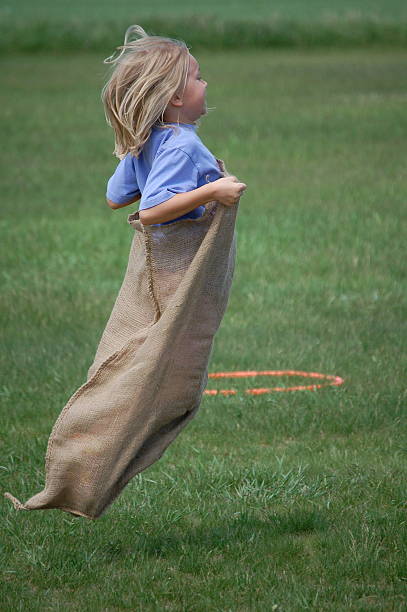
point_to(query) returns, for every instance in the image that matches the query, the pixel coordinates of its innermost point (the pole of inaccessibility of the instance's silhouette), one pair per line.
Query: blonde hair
(147, 72)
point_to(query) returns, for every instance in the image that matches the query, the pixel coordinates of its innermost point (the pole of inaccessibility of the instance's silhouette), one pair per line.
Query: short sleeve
(173, 172)
(122, 186)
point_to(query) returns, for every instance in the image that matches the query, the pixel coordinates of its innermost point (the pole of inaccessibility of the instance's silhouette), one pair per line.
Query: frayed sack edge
(19, 506)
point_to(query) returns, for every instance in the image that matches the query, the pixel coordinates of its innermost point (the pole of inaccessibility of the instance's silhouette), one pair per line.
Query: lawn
(287, 501)
(79, 26)
(103, 10)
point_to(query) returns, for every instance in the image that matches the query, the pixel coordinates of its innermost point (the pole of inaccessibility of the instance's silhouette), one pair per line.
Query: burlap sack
(150, 369)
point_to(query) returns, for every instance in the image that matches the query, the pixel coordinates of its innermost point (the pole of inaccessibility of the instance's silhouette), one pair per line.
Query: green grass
(73, 26)
(102, 10)
(293, 500)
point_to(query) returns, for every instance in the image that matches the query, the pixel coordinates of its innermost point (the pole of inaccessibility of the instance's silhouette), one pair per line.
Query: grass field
(286, 502)
(49, 25)
(103, 10)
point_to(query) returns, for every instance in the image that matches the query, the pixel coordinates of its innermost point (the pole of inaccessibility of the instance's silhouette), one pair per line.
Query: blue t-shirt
(171, 162)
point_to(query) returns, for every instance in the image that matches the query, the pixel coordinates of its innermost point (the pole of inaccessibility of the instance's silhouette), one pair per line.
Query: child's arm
(115, 206)
(226, 190)
(122, 187)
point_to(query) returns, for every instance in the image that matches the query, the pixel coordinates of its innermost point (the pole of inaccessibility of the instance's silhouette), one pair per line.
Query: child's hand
(228, 190)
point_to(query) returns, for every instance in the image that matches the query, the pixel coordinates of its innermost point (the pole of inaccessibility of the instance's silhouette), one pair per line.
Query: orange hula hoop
(332, 381)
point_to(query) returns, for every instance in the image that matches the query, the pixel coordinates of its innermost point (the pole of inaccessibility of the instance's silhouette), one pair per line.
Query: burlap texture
(150, 368)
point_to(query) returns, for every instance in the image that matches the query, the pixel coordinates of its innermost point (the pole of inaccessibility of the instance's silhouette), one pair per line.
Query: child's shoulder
(184, 138)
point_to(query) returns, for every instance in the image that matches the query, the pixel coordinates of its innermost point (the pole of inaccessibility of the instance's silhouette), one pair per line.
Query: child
(156, 86)
(150, 369)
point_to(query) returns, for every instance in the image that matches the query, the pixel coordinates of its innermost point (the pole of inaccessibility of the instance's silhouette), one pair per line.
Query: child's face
(194, 103)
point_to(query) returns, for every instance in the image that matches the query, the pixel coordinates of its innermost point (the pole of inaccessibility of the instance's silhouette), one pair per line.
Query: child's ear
(176, 100)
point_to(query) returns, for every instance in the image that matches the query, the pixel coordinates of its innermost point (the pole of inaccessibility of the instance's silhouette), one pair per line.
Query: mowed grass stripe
(230, 25)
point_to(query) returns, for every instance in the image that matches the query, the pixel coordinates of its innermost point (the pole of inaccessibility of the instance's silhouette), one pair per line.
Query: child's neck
(178, 117)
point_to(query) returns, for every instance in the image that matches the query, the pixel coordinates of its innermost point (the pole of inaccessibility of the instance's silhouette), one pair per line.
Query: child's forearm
(178, 205)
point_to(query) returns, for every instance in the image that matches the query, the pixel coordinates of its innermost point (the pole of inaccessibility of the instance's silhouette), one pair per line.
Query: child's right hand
(228, 190)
